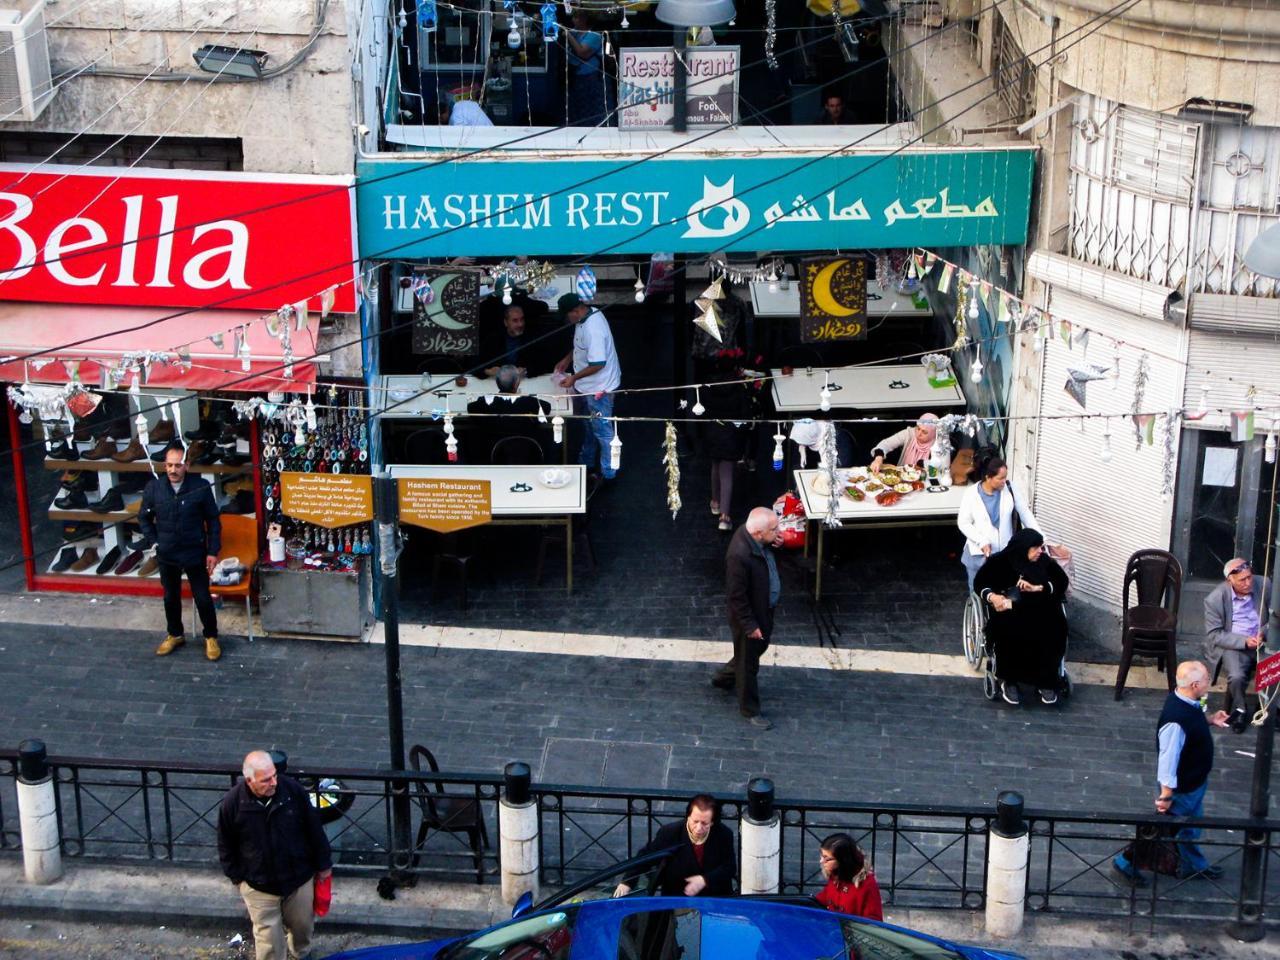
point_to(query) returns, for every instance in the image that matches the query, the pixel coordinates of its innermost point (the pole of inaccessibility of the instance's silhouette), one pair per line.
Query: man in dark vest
(1186, 757)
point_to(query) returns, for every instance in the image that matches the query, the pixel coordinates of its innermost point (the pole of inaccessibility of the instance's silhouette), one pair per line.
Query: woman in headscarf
(914, 442)
(1024, 588)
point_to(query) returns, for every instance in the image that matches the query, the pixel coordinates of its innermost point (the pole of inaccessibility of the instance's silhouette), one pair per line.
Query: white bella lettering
(57, 245)
(236, 251)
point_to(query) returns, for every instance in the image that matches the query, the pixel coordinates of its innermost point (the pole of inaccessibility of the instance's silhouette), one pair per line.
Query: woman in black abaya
(1024, 589)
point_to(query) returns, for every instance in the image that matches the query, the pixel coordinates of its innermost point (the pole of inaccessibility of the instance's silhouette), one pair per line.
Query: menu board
(327, 499)
(444, 504)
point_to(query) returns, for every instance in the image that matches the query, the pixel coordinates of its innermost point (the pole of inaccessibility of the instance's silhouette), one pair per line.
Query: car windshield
(546, 936)
(866, 941)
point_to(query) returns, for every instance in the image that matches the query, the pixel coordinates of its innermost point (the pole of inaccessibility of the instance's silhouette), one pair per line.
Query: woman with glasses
(1023, 588)
(851, 886)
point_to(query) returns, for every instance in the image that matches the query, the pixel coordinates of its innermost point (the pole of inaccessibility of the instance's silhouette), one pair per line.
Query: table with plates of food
(896, 497)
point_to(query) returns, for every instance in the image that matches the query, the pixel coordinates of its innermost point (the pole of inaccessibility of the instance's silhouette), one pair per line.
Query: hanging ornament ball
(513, 38)
(586, 284)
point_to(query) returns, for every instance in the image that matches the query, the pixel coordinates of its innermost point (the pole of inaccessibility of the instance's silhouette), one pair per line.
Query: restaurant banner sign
(931, 197)
(175, 238)
(646, 87)
(444, 504)
(329, 500)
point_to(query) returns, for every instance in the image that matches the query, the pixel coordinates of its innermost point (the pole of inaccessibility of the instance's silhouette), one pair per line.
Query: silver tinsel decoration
(771, 32)
(1166, 462)
(830, 461)
(1139, 394)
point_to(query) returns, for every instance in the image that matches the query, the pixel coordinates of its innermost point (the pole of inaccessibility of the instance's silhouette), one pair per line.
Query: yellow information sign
(327, 499)
(444, 504)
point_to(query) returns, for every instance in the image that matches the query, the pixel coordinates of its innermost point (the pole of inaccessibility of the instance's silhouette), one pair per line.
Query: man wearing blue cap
(596, 374)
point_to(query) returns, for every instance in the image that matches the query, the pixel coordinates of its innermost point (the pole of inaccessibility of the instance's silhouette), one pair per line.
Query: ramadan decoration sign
(446, 313)
(833, 300)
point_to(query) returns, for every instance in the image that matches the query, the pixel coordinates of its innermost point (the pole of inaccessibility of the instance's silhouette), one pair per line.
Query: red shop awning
(27, 328)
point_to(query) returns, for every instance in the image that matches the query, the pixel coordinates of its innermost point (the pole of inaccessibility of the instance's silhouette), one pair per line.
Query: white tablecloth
(865, 388)
(393, 388)
(786, 302)
(918, 505)
(540, 501)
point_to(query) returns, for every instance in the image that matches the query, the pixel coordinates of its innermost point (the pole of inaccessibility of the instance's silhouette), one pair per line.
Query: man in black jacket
(701, 863)
(273, 848)
(180, 516)
(752, 588)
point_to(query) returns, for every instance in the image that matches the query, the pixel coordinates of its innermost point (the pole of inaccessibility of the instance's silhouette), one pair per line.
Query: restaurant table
(403, 396)
(918, 509)
(867, 388)
(540, 506)
(785, 301)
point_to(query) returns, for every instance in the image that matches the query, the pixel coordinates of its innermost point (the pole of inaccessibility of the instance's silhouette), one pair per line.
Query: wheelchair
(980, 652)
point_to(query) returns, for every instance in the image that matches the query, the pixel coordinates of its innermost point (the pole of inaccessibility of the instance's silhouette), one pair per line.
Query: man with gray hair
(1182, 771)
(752, 589)
(1235, 620)
(273, 848)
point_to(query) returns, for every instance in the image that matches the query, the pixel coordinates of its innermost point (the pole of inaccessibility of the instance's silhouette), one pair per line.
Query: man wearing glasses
(1235, 626)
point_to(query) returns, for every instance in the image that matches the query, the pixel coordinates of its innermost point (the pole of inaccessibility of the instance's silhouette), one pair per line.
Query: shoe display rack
(104, 462)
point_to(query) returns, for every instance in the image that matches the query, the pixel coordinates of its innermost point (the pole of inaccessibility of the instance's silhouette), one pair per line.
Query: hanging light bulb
(542, 413)
(639, 288)
(773, 280)
(777, 449)
(448, 424)
(698, 408)
(625, 22)
(1105, 455)
(824, 395)
(451, 449)
(975, 370)
(403, 19)
(973, 304)
(1269, 448)
(311, 414)
(1037, 341)
(513, 38)
(144, 436)
(1202, 410)
(242, 351)
(557, 428)
(299, 436)
(615, 449)
(135, 391)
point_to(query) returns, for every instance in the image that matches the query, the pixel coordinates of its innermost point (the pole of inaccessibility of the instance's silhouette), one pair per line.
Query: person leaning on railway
(702, 862)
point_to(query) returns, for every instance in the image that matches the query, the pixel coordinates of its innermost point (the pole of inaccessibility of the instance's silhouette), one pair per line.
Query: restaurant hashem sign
(936, 197)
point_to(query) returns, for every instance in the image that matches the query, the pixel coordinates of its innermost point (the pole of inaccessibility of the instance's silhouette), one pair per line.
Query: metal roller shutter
(1104, 511)
(1238, 338)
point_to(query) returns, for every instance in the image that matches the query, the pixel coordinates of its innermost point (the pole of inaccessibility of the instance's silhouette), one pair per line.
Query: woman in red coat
(851, 886)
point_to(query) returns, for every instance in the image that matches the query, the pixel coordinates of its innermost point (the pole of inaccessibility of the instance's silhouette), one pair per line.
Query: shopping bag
(1154, 850)
(322, 896)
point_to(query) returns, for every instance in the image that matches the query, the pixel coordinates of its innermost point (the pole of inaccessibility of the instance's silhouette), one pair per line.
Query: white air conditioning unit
(26, 80)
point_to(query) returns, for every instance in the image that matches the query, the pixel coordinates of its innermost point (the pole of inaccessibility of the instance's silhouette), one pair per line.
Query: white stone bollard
(518, 827)
(761, 860)
(761, 833)
(38, 815)
(1008, 848)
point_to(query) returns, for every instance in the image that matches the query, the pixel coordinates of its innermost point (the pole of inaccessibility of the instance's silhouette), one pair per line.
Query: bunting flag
(327, 297)
(944, 279)
(1144, 425)
(1241, 425)
(1002, 308)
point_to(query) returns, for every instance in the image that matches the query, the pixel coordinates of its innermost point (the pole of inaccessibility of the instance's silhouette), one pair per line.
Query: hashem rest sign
(444, 505)
(327, 499)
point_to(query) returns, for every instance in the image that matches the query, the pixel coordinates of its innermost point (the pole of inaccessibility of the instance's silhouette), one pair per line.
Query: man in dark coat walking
(180, 516)
(752, 588)
(274, 849)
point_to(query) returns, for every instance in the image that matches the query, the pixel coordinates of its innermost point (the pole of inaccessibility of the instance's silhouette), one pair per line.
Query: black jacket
(276, 848)
(184, 526)
(747, 586)
(718, 863)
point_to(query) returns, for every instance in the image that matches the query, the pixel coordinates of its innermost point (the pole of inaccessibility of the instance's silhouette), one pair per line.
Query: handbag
(322, 896)
(1154, 850)
(791, 521)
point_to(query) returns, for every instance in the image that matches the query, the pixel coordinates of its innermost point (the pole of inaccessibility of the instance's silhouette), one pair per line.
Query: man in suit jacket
(752, 590)
(180, 516)
(1235, 623)
(702, 862)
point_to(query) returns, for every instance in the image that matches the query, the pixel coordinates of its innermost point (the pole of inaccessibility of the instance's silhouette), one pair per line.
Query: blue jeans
(598, 433)
(971, 563)
(1190, 858)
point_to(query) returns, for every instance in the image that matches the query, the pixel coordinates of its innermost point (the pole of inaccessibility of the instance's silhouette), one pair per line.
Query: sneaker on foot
(1009, 691)
(169, 644)
(211, 648)
(715, 507)
(1126, 878)
(760, 721)
(725, 524)
(1048, 697)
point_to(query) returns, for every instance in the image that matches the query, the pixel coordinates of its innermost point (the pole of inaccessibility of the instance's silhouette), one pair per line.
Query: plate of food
(871, 486)
(909, 474)
(903, 488)
(555, 478)
(858, 476)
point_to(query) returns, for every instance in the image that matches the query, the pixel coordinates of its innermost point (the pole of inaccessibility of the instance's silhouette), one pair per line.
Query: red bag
(322, 896)
(791, 521)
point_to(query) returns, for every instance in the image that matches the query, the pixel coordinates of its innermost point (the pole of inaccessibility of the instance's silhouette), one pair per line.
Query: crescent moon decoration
(448, 323)
(833, 300)
(437, 311)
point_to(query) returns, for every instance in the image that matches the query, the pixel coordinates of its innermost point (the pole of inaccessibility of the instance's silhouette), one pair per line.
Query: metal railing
(923, 856)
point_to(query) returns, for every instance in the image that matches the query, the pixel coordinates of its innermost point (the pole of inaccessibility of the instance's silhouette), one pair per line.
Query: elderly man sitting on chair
(1234, 630)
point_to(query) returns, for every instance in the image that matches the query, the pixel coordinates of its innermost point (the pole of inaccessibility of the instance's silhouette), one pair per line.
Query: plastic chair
(239, 539)
(1150, 627)
(446, 814)
(517, 451)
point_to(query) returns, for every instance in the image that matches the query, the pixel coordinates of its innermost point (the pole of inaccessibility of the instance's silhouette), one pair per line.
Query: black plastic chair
(579, 529)
(446, 814)
(1150, 627)
(516, 451)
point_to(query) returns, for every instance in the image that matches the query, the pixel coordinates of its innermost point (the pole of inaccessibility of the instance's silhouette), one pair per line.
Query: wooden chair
(446, 814)
(239, 539)
(1150, 627)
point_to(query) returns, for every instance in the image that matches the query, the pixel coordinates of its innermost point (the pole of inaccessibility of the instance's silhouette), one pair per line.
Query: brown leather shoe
(196, 451)
(134, 451)
(87, 559)
(211, 648)
(105, 447)
(169, 644)
(162, 432)
(149, 566)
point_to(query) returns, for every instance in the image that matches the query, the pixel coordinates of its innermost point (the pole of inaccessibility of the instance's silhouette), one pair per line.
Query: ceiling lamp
(695, 13)
(1263, 255)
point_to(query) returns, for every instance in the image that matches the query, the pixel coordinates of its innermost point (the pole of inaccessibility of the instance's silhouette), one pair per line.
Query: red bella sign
(1268, 671)
(175, 238)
